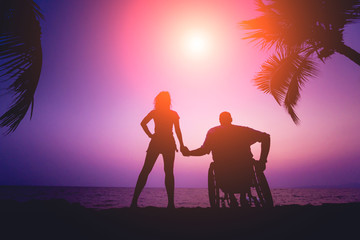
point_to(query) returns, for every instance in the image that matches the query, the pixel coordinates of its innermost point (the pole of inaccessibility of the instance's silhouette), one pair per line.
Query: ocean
(117, 197)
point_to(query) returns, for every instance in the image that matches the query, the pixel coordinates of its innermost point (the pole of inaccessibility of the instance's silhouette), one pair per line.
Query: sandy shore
(58, 219)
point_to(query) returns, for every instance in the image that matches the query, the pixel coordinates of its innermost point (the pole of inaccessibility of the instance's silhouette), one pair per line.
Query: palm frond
(340, 13)
(299, 30)
(279, 25)
(266, 31)
(20, 57)
(275, 74)
(305, 68)
(292, 24)
(284, 74)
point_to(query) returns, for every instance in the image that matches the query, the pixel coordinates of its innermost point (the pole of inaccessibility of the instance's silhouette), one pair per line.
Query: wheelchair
(258, 194)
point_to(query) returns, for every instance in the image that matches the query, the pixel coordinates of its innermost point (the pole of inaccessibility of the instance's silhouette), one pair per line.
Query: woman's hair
(162, 100)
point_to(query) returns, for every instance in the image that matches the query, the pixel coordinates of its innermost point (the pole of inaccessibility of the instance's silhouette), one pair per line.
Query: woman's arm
(178, 133)
(144, 123)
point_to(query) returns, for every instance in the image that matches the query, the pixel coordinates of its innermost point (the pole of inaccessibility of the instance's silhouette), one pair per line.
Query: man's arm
(265, 147)
(264, 139)
(204, 149)
(198, 152)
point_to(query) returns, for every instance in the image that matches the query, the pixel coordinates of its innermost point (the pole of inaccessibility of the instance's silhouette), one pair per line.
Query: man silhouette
(231, 152)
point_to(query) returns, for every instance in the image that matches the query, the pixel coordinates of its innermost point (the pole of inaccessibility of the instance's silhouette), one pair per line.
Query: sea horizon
(119, 197)
(339, 186)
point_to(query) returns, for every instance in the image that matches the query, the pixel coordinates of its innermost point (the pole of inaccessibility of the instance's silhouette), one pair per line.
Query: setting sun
(197, 44)
(103, 63)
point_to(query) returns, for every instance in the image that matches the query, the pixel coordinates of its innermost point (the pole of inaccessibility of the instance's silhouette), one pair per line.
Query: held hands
(185, 151)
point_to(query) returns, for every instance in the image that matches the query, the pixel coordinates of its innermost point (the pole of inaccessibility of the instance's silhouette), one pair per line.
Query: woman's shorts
(162, 145)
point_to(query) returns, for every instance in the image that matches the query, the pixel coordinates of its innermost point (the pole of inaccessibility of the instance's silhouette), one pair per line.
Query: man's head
(225, 118)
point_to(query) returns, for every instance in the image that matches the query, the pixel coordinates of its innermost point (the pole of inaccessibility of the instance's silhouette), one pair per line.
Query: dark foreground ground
(58, 219)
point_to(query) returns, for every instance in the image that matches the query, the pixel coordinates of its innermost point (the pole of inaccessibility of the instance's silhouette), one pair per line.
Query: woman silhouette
(162, 142)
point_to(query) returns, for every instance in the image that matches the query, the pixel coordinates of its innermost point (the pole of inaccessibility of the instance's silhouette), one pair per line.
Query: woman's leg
(150, 160)
(169, 177)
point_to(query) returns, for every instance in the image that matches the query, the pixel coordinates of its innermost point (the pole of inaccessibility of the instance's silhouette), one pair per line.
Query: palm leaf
(305, 68)
(278, 25)
(275, 74)
(266, 31)
(20, 57)
(292, 24)
(284, 74)
(305, 28)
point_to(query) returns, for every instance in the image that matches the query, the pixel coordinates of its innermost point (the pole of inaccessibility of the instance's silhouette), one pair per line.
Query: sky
(106, 60)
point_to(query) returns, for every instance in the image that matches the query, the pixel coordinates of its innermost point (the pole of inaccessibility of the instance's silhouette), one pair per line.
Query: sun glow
(197, 44)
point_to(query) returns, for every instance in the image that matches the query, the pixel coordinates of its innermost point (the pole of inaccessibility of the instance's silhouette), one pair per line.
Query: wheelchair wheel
(263, 189)
(213, 189)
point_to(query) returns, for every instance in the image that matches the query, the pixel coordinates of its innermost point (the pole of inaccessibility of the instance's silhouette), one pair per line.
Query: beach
(59, 219)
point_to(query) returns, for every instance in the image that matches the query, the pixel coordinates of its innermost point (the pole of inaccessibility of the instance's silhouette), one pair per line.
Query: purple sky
(105, 61)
